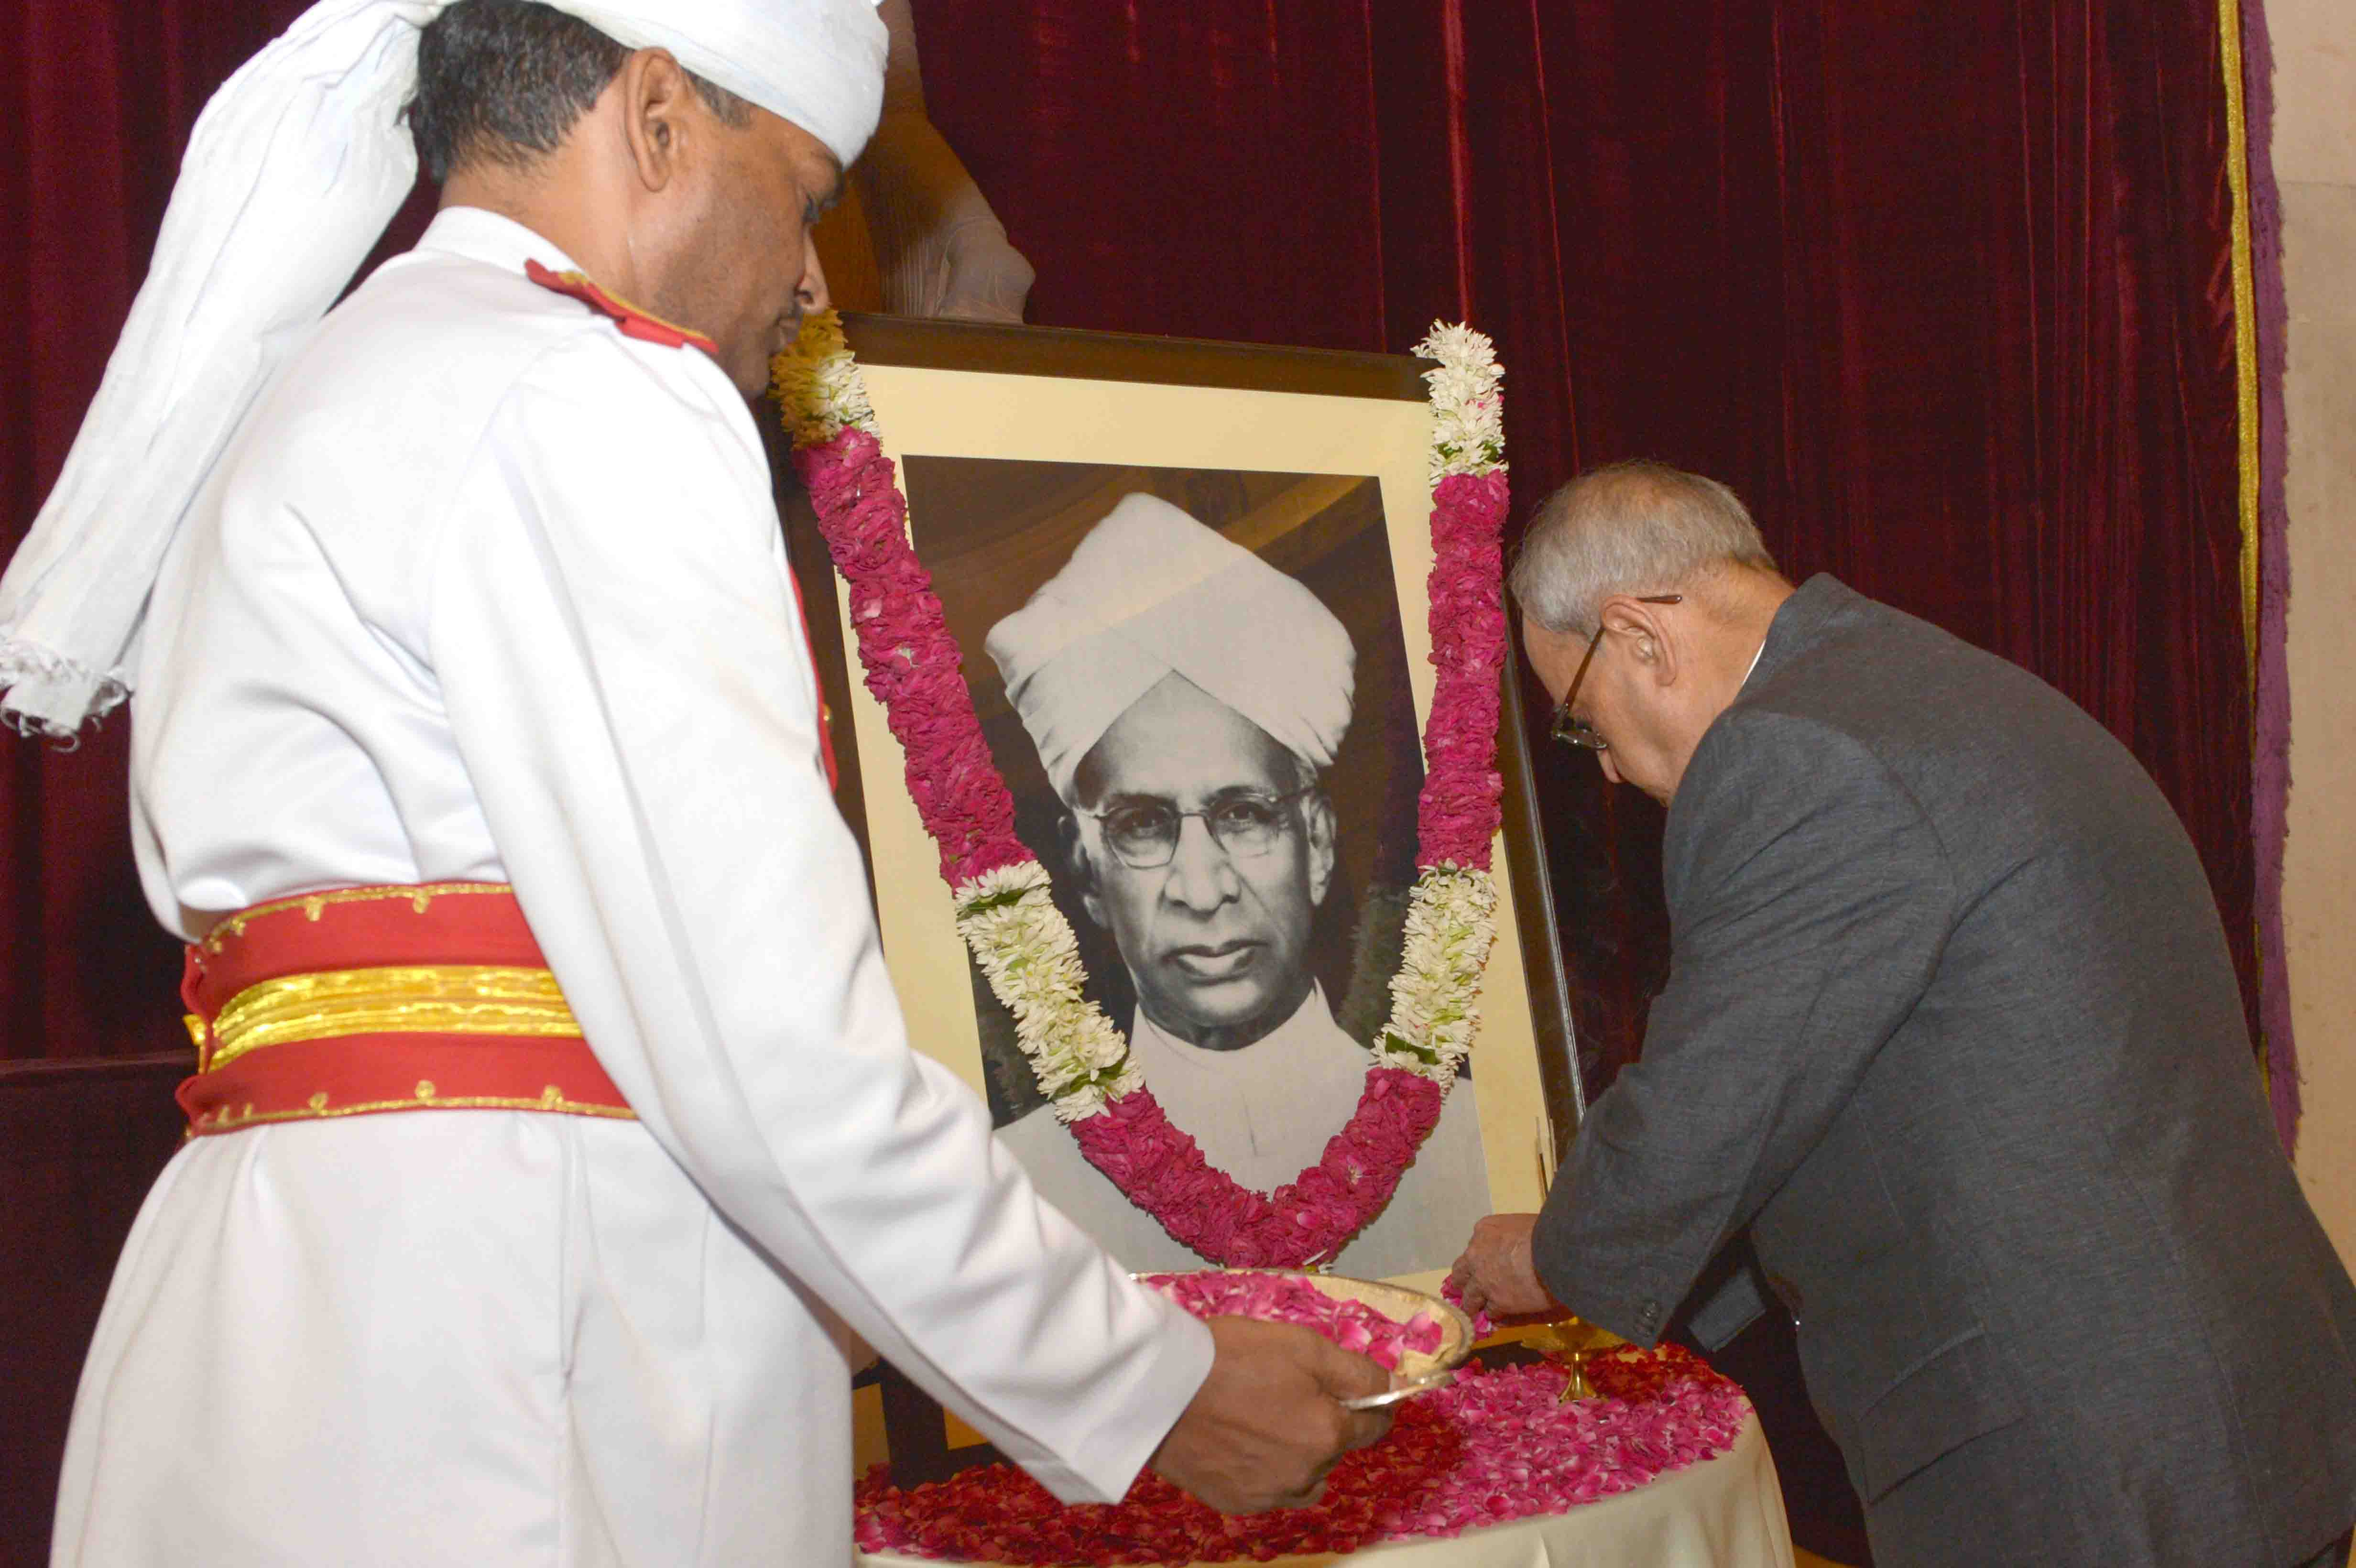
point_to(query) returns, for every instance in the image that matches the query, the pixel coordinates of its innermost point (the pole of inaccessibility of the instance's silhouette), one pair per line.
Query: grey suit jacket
(1951, 1027)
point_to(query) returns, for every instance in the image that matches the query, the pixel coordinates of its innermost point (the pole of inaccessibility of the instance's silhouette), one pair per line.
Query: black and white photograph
(1195, 684)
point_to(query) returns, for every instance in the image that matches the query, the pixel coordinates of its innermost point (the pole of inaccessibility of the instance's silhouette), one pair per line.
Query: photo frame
(1012, 444)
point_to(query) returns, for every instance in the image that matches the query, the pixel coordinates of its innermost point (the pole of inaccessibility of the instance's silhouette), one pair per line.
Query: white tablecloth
(1726, 1513)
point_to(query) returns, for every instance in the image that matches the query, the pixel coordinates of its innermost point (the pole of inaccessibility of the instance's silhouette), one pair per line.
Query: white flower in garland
(818, 383)
(1468, 411)
(1027, 950)
(1435, 996)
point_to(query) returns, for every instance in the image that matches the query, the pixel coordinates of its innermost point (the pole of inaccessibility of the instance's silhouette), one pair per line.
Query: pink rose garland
(914, 668)
(1458, 811)
(1159, 1168)
(913, 665)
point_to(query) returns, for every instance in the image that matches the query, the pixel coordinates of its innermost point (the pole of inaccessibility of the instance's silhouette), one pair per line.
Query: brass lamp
(1573, 1342)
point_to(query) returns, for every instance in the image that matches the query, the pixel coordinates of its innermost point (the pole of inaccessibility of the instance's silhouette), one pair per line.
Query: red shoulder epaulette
(634, 322)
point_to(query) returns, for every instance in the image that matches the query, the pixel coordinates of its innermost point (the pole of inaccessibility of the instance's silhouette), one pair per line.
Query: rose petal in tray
(1406, 1332)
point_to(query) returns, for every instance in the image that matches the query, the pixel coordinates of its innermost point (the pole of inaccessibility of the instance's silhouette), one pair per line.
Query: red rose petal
(1498, 1447)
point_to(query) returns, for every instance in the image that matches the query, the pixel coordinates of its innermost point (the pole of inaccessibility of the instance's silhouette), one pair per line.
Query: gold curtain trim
(2245, 326)
(440, 998)
(2246, 386)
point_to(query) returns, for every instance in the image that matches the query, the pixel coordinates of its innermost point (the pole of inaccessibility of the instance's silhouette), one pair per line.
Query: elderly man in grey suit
(1951, 1031)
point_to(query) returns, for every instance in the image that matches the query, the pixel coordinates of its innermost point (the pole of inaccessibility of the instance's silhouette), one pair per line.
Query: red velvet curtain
(100, 95)
(1942, 290)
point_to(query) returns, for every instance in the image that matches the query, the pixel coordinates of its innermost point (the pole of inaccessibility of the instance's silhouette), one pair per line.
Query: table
(1726, 1513)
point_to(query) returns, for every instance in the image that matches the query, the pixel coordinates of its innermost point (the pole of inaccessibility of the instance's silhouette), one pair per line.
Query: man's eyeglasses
(1569, 731)
(1144, 833)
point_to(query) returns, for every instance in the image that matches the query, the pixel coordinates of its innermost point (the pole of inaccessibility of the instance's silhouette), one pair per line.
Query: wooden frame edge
(1543, 969)
(993, 349)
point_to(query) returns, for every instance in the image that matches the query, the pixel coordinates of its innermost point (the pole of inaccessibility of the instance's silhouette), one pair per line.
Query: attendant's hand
(1497, 1274)
(1265, 1425)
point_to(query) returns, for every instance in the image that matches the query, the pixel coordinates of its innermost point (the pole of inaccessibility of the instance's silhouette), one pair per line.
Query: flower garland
(1498, 1447)
(1022, 941)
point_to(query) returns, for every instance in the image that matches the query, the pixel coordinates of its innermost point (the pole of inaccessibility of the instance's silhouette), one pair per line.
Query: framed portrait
(1188, 584)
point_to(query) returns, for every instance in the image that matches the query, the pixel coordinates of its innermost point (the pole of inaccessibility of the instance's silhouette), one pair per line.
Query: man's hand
(1496, 1272)
(1265, 1426)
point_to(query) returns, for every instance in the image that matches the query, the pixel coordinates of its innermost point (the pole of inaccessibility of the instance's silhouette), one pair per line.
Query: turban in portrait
(293, 170)
(1150, 593)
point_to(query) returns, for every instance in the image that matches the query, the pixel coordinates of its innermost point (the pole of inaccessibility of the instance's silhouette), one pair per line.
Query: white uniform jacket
(484, 590)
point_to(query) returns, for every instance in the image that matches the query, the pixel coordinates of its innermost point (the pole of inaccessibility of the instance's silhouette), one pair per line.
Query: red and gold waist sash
(369, 1001)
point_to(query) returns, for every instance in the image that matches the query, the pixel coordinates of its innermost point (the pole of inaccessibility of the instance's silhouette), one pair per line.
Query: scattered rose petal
(1498, 1447)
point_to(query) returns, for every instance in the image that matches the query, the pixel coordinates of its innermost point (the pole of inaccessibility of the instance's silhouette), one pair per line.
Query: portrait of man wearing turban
(1187, 701)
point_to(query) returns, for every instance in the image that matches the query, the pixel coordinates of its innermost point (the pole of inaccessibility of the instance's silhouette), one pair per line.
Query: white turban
(292, 174)
(1151, 593)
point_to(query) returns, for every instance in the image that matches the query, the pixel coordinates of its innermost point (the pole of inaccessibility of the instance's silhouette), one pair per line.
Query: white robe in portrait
(1263, 1114)
(484, 590)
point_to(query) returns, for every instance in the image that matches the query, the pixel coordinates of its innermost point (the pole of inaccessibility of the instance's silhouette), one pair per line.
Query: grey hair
(1631, 528)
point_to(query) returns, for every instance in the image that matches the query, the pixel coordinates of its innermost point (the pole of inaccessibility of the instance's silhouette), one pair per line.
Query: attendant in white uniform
(535, 1236)
(1186, 697)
